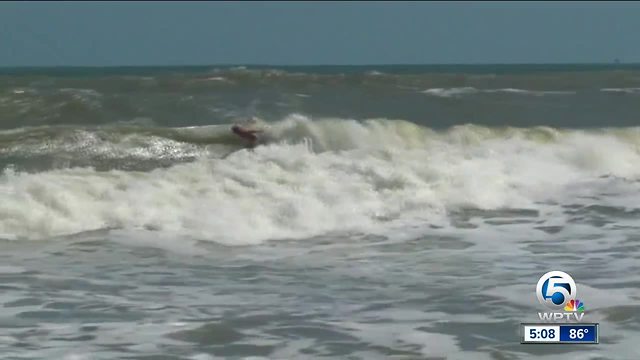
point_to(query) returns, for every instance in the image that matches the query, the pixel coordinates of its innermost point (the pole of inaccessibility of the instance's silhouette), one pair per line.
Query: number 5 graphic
(555, 289)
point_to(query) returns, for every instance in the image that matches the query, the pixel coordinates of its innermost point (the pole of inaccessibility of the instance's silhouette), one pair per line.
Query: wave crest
(346, 176)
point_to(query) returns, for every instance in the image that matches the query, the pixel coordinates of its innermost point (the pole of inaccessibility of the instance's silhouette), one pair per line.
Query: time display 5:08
(540, 333)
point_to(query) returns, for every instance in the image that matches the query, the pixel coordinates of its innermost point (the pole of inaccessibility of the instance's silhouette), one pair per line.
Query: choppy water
(399, 213)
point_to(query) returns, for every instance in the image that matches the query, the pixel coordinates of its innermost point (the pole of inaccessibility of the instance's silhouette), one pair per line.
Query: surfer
(248, 134)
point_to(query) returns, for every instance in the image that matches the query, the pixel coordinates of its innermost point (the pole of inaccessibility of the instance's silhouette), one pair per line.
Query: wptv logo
(556, 290)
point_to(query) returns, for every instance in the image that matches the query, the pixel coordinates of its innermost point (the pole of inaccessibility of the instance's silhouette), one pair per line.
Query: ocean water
(398, 212)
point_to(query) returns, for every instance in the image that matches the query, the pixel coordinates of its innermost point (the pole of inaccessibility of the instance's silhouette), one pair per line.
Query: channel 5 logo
(556, 290)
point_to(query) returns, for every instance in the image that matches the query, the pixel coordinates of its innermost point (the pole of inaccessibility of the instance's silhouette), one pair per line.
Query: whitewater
(316, 177)
(134, 224)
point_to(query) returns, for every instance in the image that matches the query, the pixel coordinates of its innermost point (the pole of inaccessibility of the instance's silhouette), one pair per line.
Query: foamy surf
(462, 91)
(632, 90)
(322, 176)
(134, 224)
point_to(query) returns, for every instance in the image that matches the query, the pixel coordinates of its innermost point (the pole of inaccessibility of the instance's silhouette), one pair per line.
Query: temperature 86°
(578, 333)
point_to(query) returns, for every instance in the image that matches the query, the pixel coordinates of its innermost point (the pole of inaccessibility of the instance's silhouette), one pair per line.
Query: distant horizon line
(317, 65)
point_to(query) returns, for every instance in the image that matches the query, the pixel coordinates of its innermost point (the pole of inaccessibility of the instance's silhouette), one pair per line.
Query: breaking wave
(310, 178)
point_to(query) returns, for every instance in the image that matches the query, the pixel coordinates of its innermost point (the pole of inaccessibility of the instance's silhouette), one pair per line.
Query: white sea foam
(631, 90)
(333, 175)
(462, 91)
(451, 92)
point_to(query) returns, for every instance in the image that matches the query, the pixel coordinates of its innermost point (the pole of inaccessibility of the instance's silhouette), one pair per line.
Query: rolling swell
(129, 147)
(151, 150)
(438, 97)
(111, 147)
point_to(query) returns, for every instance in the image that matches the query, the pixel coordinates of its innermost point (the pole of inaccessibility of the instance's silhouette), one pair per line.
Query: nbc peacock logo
(575, 306)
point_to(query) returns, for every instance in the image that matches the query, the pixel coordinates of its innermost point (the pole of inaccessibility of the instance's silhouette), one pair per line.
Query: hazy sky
(181, 33)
